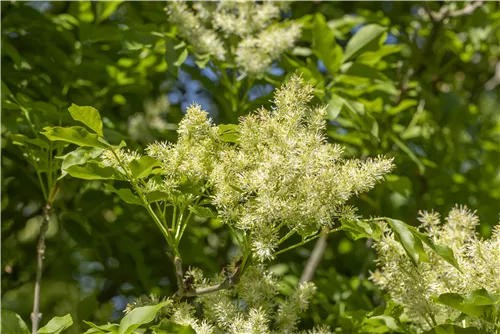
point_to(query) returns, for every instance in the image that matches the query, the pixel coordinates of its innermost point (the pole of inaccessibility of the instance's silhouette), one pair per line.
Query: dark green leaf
(452, 329)
(412, 244)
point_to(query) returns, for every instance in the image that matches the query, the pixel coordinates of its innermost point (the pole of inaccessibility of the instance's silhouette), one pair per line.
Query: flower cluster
(211, 27)
(415, 286)
(283, 174)
(142, 126)
(251, 308)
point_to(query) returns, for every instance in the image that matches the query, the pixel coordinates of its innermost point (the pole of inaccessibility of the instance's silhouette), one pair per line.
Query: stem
(305, 241)
(314, 259)
(47, 211)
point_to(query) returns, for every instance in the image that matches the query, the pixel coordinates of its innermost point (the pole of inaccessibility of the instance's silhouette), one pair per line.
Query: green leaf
(324, 44)
(203, 211)
(168, 327)
(156, 196)
(182, 57)
(106, 8)
(88, 116)
(487, 312)
(11, 323)
(78, 157)
(361, 70)
(125, 194)
(56, 325)
(335, 105)
(452, 329)
(92, 171)
(95, 329)
(228, 133)
(410, 154)
(139, 316)
(74, 135)
(143, 167)
(358, 229)
(412, 244)
(380, 324)
(22, 140)
(366, 39)
(444, 251)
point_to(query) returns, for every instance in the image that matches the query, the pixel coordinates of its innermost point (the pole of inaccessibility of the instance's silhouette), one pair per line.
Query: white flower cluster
(414, 287)
(251, 308)
(141, 126)
(214, 27)
(282, 174)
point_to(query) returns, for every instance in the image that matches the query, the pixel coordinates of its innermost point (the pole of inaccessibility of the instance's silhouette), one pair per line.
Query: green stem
(303, 242)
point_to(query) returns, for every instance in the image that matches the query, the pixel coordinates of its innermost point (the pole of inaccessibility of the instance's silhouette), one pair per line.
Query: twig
(444, 11)
(47, 212)
(36, 315)
(314, 259)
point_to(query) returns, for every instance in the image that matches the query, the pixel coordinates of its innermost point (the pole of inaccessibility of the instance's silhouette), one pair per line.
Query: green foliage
(417, 82)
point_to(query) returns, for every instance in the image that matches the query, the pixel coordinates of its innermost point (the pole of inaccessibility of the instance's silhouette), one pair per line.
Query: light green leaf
(380, 324)
(78, 157)
(88, 116)
(143, 167)
(358, 229)
(486, 312)
(182, 57)
(452, 329)
(139, 316)
(74, 135)
(93, 171)
(335, 105)
(11, 323)
(203, 211)
(228, 133)
(106, 8)
(366, 39)
(125, 194)
(482, 297)
(412, 244)
(22, 140)
(95, 329)
(156, 196)
(56, 325)
(403, 105)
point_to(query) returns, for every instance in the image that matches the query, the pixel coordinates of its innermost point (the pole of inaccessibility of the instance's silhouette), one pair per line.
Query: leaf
(358, 229)
(203, 211)
(442, 250)
(228, 133)
(78, 157)
(95, 329)
(21, 140)
(335, 105)
(482, 297)
(11, 323)
(143, 166)
(88, 116)
(156, 196)
(125, 194)
(74, 135)
(324, 44)
(487, 312)
(168, 327)
(182, 57)
(412, 245)
(106, 8)
(380, 324)
(139, 316)
(410, 154)
(361, 70)
(364, 40)
(56, 325)
(452, 329)
(93, 171)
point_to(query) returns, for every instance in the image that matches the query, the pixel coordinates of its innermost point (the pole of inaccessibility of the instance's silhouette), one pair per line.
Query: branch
(444, 12)
(36, 315)
(314, 259)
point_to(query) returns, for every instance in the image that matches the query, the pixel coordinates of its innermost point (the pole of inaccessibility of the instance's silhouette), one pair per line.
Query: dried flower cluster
(414, 287)
(211, 27)
(282, 174)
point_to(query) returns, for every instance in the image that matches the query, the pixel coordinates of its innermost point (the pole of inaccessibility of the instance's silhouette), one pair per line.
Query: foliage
(416, 82)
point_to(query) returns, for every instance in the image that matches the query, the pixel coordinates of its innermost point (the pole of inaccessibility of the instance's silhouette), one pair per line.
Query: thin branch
(47, 211)
(314, 259)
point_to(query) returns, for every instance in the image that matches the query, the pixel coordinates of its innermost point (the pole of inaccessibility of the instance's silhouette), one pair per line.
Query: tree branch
(314, 259)
(36, 315)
